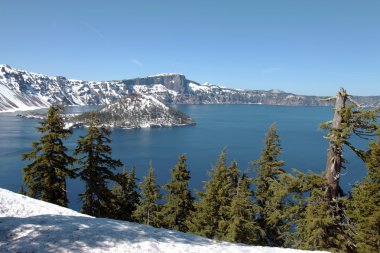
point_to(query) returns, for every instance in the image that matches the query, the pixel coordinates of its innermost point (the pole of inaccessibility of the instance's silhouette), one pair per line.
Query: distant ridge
(276, 91)
(23, 90)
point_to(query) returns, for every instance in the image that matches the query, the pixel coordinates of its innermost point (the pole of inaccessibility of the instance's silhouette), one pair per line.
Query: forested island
(129, 112)
(134, 111)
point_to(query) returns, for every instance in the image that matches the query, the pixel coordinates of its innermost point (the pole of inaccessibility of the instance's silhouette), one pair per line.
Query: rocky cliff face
(175, 82)
(20, 90)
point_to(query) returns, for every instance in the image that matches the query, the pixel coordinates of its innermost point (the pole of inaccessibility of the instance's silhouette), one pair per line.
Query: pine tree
(148, 209)
(323, 224)
(242, 227)
(295, 189)
(179, 201)
(126, 196)
(348, 119)
(96, 169)
(215, 201)
(267, 194)
(364, 206)
(226, 189)
(45, 177)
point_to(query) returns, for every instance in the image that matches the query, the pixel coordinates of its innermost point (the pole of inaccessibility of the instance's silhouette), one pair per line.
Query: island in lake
(128, 112)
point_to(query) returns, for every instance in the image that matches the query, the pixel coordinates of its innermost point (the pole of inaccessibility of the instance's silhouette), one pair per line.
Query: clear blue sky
(305, 47)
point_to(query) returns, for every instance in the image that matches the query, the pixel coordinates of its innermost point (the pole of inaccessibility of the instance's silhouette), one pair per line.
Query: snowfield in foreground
(29, 225)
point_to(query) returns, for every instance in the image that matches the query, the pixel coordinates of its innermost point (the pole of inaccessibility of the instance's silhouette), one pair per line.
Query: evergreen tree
(323, 224)
(364, 206)
(348, 119)
(242, 227)
(45, 177)
(126, 196)
(214, 203)
(269, 197)
(179, 201)
(96, 169)
(226, 191)
(148, 209)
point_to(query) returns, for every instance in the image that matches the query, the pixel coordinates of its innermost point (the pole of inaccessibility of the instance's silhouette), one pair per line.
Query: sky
(304, 47)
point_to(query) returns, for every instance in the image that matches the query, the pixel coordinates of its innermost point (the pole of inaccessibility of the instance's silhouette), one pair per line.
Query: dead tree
(335, 150)
(348, 118)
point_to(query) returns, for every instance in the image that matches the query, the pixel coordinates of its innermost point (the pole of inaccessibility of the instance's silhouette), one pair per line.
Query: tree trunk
(335, 150)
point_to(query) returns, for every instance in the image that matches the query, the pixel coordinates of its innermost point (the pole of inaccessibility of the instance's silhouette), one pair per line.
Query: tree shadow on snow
(56, 233)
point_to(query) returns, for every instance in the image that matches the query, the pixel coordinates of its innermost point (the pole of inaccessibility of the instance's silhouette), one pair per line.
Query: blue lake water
(241, 128)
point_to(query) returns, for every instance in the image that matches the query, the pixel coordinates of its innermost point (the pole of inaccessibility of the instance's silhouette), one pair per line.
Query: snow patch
(197, 87)
(20, 206)
(29, 225)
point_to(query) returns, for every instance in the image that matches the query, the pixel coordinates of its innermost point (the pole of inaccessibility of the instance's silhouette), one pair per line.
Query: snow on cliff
(29, 225)
(20, 90)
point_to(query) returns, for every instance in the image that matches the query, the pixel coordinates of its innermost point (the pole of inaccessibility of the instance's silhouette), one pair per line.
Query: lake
(241, 128)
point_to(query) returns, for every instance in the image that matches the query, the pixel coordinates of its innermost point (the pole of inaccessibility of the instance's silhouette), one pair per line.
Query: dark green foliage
(179, 201)
(226, 190)
(215, 202)
(23, 192)
(354, 121)
(96, 169)
(148, 209)
(241, 227)
(45, 177)
(348, 119)
(364, 206)
(293, 193)
(320, 224)
(268, 191)
(126, 196)
(361, 123)
(323, 225)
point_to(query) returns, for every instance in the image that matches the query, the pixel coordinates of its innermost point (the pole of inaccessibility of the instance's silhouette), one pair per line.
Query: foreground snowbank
(29, 225)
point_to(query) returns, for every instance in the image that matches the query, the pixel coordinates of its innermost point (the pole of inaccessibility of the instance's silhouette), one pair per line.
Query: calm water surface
(239, 127)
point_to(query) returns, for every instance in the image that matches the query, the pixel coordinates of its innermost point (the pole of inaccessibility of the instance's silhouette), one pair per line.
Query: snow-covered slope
(20, 90)
(29, 225)
(11, 99)
(136, 111)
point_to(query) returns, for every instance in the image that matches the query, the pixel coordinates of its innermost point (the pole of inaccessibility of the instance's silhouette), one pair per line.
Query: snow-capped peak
(4, 66)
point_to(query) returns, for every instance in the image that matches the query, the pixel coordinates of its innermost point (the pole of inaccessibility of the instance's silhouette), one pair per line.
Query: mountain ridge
(21, 90)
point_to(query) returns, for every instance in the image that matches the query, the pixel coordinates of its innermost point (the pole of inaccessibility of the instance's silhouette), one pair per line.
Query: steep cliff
(20, 90)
